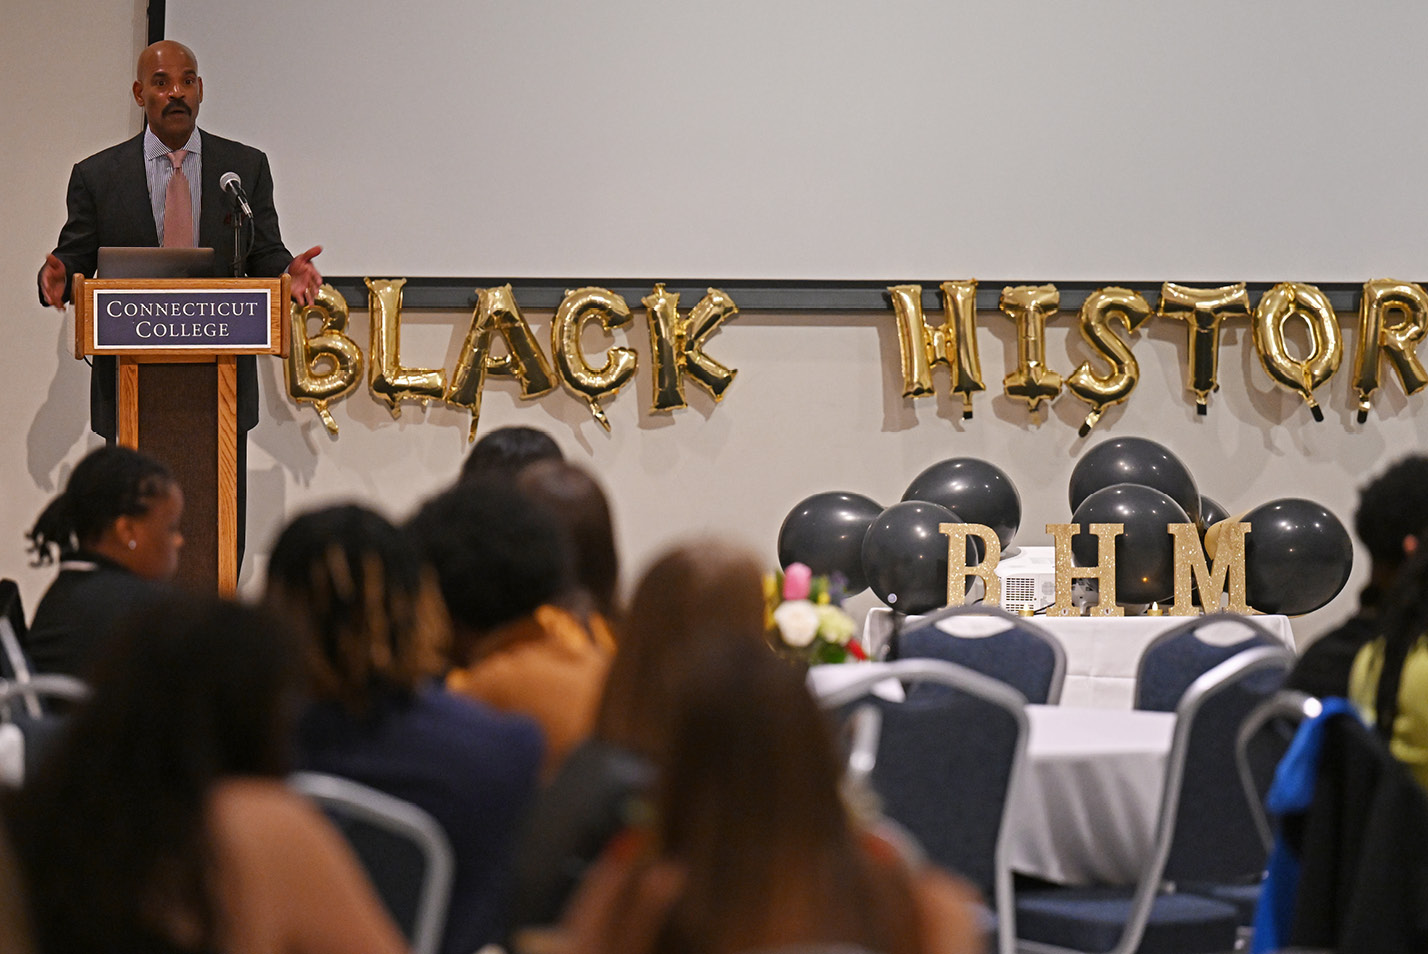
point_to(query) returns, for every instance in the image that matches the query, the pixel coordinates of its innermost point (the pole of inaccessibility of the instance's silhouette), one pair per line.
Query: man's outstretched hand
(306, 279)
(53, 281)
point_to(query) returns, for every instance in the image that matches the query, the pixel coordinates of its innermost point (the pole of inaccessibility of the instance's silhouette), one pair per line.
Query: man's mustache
(177, 108)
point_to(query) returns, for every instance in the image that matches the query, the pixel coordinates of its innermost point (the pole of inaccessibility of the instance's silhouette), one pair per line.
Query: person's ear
(1410, 544)
(138, 92)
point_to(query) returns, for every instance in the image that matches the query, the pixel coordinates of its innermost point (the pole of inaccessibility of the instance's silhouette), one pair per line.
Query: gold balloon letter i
(1030, 306)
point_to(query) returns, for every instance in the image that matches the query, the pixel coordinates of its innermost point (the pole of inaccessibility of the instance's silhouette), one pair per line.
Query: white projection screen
(821, 140)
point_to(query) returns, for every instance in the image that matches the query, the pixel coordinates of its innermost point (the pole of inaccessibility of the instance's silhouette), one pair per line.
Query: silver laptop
(136, 262)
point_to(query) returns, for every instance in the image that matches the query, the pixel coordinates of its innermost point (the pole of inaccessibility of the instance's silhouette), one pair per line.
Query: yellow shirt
(1410, 728)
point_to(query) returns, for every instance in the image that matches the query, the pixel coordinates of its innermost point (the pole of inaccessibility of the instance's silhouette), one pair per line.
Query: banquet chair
(405, 852)
(32, 733)
(1180, 655)
(994, 643)
(946, 755)
(1199, 837)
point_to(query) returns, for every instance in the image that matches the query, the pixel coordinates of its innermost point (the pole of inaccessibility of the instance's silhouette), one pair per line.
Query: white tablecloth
(1084, 809)
(1101, 652)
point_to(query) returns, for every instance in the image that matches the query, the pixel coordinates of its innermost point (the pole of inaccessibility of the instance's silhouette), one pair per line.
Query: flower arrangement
(805, 617)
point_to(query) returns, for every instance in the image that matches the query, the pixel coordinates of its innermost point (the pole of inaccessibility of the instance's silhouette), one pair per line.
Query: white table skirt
(1101, 652)
(1085, 807)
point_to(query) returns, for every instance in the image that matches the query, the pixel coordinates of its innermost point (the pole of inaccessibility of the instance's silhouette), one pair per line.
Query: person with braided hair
(115, 533)
(1389, 680)
(374, 634)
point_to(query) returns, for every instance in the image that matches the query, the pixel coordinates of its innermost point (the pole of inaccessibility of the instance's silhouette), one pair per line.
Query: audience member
(1391, 509)
(505, 451)
(690, 595)
(502, 564)
(369, 616)
(575, 499)
(1389, 681)
(115, 531)
(161, 823)
(750, 847)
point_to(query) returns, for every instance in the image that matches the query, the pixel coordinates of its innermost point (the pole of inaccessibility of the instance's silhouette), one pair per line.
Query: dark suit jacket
(108, 202)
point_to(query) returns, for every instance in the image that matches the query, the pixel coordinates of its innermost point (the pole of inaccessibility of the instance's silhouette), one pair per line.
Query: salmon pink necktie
(178, 206)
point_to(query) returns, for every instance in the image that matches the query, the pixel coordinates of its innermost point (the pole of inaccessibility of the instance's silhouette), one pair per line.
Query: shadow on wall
(62, 420)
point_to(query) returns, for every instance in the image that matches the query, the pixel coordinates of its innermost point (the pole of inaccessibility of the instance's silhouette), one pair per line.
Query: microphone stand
(240, 257)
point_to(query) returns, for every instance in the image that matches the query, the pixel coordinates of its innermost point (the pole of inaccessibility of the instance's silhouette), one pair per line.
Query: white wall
(817, 404)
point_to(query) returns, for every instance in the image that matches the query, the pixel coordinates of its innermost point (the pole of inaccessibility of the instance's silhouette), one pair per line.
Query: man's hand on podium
(306, 278)
(52, 281)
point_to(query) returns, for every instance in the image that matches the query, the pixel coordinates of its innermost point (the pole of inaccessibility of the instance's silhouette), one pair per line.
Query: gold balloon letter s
(330, 346)
(1097, 312)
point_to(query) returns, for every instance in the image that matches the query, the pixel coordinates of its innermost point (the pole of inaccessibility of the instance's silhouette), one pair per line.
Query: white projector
(1028, 579)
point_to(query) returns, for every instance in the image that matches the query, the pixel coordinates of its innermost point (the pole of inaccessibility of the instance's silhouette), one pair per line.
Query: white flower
(797, 622)
(834, 625)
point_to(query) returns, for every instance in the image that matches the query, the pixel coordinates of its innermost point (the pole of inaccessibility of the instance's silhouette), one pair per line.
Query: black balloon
(905, 556)
(1134, 460)
(1211, 513)
(976, 491)
(1298, 556)
(1145, 553)
(825, 532)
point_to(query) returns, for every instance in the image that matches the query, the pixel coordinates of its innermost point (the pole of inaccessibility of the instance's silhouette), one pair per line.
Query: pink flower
(796, 579)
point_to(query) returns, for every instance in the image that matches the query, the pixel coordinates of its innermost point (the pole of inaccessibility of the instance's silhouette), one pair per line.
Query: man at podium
(166, 187)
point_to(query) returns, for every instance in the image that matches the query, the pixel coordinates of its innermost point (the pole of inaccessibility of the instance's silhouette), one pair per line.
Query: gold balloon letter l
(676, 345)
(390, 381)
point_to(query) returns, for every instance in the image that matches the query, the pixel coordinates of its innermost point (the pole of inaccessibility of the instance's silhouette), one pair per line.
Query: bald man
(117, 198)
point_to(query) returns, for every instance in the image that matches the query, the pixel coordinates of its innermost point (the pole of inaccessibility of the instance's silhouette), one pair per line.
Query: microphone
(231, 183)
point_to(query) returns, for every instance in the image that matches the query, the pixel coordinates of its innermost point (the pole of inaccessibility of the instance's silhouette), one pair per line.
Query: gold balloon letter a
(1029, 306)
(389, 381)
(578, 307)
(1203, 309)
(675, 345)
(330, 346)
(953, 343)
(1406, 301)
(497, 313)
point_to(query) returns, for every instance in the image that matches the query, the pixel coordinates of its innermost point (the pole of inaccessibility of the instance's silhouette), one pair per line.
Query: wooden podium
(177, 341)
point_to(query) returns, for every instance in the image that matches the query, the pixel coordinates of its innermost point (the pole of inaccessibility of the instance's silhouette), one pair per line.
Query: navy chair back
(1179, 656)
(403, 848)
(1216, 832)
(946, 756)
(1016, 651)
